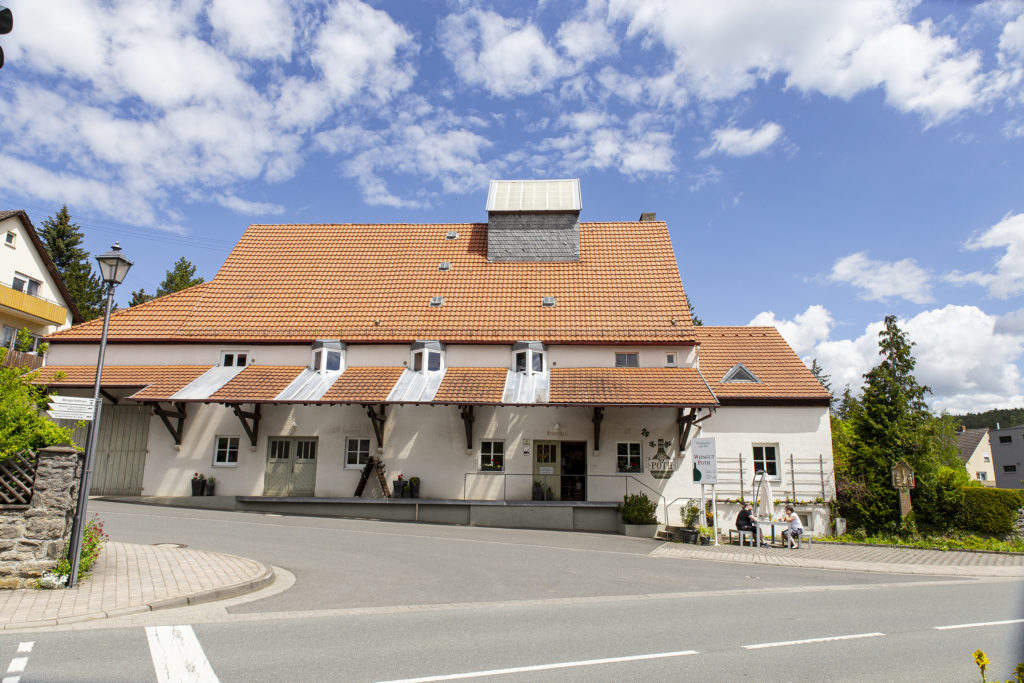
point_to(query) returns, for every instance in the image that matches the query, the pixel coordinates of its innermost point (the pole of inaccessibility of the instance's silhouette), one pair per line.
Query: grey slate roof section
(533, 237)
(967, 441)
(309, 385)
(415, 386)
(523, 388)
(208, 383)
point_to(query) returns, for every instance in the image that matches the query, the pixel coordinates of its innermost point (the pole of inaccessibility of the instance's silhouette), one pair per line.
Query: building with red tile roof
(532, 355)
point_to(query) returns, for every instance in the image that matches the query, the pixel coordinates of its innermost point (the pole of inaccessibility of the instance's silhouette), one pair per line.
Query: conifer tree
(139, 296)
(62, 239)
(181, 276)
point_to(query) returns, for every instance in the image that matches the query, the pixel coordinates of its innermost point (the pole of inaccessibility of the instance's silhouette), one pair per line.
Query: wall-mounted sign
(705, 464)
(547, 470)
(660, 465)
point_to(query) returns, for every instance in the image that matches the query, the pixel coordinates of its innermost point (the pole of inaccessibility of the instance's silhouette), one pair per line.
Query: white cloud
(967, 357)
(742, 142)
(1012, 39)
(880, 280)
(804, 332)
(505, 57)
(586, 40)
(246, 207)
(701, 180)
(596, 140)
(1008, 278)
(259, 29)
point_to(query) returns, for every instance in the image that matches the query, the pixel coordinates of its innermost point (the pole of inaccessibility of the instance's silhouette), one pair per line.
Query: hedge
(990, 510)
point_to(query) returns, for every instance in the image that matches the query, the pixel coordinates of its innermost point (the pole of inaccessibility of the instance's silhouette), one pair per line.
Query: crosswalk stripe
(177, 655)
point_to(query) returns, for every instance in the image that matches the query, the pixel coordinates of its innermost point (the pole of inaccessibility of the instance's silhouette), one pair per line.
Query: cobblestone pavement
(861, 558)
(129, 579)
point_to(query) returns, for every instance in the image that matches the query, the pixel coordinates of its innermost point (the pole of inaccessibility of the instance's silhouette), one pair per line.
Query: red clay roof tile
(472, 385)
(630, 386)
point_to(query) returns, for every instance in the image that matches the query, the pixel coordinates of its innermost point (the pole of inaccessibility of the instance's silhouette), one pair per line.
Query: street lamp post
(113, 268)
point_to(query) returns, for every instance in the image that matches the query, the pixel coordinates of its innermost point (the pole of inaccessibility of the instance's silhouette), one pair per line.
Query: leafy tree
(140, 297)
(181, 276)
(891, 422)
(62, 239)
(21, 425)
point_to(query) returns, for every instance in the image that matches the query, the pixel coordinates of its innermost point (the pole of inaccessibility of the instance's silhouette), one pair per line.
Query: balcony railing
(22, 359)
(35, 306)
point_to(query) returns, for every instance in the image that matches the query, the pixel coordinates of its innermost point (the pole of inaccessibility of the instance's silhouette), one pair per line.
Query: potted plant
(210, 483)
(689, 515)
(414, 487)
(198, 484)
(638, 515)
(538, 490)
(705, 533)
(398, 487)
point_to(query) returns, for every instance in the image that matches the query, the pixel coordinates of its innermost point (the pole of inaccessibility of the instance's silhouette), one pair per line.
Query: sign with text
(72, 402)
(705, 464)
(70, 414)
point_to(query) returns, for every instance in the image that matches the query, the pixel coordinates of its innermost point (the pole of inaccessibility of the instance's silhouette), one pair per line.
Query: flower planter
(414, 490)
(705, 540)
(688, 535)
(209, 488)
(198, 487)
(640, 530)
(398, 488)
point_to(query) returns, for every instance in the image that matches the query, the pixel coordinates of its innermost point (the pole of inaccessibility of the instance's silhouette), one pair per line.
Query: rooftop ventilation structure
(444, 265)
(436, 301)
(548, 301)
(533, 220)
(452, 235)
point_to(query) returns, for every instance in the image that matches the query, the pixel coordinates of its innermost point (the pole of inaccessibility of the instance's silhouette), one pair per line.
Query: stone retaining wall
(32, 537)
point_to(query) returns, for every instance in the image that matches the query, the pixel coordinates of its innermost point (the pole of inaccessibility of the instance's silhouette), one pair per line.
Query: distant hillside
(1005, 417)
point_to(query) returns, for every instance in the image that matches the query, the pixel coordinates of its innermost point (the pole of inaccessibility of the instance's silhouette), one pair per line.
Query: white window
(234, 359)
(23, 283)
(427, 356)
(11, 238)
(982, 476)
(627, 360)
(670, 360)
(766, 459)
(357, 452)
(740, 373)
(492, 456)
(988, 458)
(628, 457)
(226, 454)
(327, 356)
(529, 358)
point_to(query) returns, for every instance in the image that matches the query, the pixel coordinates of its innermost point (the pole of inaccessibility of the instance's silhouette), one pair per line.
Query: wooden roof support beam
(378, 420)
(107, 395)
(598, 417)
(251, 430)
(468, 419)
(685, 422)
(179, 413)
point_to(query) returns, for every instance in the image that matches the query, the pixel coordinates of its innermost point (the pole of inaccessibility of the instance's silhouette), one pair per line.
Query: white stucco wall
(25, 259)
(981, 461)
(583, 356)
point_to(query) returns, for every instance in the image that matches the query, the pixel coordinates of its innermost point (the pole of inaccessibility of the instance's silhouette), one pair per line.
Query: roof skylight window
(436, 301)
(444, 265)
(739, 373)
(548, 301)
(452, 235)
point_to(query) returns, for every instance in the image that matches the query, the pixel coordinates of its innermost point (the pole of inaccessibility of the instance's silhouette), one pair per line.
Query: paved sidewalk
(858, 558)
(130, 579)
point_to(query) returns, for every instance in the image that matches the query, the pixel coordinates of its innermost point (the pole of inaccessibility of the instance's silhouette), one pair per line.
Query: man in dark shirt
(745, 522)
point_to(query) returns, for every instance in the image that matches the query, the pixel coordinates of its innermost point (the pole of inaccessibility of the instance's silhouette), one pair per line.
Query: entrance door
(291, 467)
(547, 472)
(120, 453)
(574, 470)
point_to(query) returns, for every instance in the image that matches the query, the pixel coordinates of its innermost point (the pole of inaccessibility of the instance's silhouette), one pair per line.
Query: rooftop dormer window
(234, 359)
(328, 356)
(427, 356)
(529, 358)
(739, 373)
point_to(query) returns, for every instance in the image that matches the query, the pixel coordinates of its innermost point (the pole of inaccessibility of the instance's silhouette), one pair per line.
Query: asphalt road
(377, 601)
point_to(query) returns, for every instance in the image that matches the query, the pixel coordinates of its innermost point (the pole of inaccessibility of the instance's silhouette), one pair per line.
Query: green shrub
(93, 538)
(989, 510)
(689, 514)
(637, 508)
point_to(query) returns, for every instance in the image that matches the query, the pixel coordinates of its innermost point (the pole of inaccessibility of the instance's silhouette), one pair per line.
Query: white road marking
(980, 623)
(828, 639)
(544, 667)
(17, 665)
(25, 647)
(177, 655)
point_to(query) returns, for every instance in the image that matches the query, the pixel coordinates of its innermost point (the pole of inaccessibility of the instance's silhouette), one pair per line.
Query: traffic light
(6, 24)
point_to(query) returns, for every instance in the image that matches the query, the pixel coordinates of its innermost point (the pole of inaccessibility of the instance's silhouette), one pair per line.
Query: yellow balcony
(33, 305)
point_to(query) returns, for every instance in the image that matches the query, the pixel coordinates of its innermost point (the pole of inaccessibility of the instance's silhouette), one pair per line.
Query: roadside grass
(951, 541)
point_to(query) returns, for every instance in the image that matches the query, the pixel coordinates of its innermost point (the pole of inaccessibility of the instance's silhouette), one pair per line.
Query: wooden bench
(743, 534)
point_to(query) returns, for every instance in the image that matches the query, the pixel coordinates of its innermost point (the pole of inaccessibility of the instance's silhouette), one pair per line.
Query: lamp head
(113, 266)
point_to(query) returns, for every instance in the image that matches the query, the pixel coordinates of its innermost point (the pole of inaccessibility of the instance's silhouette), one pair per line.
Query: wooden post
(792, 476)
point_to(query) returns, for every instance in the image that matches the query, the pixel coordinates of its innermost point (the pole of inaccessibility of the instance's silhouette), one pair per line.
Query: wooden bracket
(179, 413)
(686, 421)
(598, 417)
(251, 430)
(378, 420)
(467, 420)
(110, 397)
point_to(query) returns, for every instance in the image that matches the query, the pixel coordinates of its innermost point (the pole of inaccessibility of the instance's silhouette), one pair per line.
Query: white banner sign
(72, 403)
(705, 465)
(70, 414)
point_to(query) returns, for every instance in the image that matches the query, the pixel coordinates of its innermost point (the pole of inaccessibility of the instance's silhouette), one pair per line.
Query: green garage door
(120, 456)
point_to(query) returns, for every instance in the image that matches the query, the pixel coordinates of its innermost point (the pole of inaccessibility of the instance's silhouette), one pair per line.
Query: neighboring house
(529, 357)
(1008, 456)
(975, 453)
(32, 293)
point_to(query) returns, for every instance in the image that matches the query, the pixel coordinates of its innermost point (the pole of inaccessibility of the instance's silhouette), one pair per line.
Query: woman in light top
(795, 530)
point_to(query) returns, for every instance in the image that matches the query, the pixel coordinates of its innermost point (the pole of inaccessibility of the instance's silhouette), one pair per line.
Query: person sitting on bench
(745, 522)
(795, 530)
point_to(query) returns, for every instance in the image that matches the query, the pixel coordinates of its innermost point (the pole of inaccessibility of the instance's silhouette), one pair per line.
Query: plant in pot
(638, 515)
(210, 484)
(705, 533)
(399, 487)
(198, 484)
(414, 487)
(689, 515)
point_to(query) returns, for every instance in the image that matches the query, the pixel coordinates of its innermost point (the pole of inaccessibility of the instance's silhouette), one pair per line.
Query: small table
(772, 524)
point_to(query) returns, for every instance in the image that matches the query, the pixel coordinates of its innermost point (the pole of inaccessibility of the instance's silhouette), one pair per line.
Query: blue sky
(820, 164)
